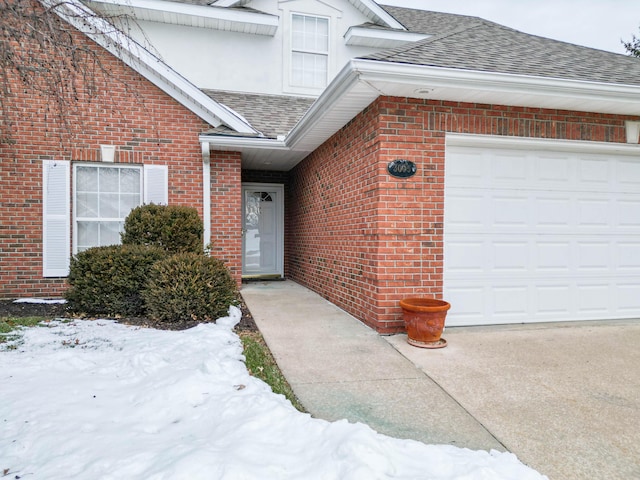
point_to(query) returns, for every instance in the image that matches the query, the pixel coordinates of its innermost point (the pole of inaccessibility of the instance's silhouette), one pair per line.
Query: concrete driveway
(564, 397)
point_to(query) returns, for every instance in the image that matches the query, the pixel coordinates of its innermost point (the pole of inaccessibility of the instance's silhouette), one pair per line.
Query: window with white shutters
(103, 196)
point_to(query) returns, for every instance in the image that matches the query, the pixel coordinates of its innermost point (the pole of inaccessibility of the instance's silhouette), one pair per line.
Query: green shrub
(189, 287)
(109, 280)
(174, 228)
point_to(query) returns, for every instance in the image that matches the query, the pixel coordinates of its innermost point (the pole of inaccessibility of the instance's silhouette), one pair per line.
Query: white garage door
(540, 231)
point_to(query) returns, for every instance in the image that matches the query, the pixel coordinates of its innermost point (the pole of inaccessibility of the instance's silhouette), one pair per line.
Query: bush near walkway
(189, 286)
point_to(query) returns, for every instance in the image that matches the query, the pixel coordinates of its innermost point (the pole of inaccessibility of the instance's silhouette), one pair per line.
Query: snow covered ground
(99, 400)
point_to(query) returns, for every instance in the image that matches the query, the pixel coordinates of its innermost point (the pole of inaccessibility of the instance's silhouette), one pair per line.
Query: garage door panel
(552, 169)
(465, 256)
(541, 236)
(594, 212)
(552, 301)
(553, 211)
(627, 214)
(552, 256)
(510, 256)
(510, 303)
(509, 167)
(594, 173)
(510, 210)
(629, 174)
(594, 256)
(629, 256)
(465, 210)
(627, 294)
(589, 297)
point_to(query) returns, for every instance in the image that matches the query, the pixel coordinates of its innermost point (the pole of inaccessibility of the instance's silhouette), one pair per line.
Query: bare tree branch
(40, 52)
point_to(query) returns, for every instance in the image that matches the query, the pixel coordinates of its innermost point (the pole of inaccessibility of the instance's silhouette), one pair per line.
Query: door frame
(279, 189)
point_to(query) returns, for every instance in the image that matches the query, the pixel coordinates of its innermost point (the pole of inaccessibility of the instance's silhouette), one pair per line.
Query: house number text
(402, 168)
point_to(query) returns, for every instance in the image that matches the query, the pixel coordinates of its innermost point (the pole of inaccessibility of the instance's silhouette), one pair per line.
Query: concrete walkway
(565, 398)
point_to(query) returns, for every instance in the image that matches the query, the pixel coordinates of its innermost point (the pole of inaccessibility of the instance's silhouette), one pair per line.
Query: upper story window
(309, 51)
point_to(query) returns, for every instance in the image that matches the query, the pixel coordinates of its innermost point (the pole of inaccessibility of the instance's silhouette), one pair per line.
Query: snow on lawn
(99, 400)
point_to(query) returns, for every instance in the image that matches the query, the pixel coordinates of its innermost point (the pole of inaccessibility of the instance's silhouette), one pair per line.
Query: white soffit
(212, 17)
(377, 38)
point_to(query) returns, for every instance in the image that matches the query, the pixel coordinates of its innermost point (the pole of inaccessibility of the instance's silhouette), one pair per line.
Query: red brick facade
(146, 125)
(364, 239)
(353, 233)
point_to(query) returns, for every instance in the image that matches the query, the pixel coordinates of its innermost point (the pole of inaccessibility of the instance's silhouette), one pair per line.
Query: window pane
(127, 203)
(309, 70)
(297, 68)
(109, 179)
(297, 31)
(109, 233)
(87, 205)
(87, 179)
(87, 235)
(322, 35)
(129, 180)
(109, 205)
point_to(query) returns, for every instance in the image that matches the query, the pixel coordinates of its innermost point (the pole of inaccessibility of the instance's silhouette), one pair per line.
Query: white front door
(263, 230)
(541, 231)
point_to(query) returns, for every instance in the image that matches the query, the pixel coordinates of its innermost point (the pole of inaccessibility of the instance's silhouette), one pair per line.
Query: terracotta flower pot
(424, 320)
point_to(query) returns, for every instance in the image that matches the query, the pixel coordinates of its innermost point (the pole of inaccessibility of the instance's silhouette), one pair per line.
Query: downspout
(206, 193)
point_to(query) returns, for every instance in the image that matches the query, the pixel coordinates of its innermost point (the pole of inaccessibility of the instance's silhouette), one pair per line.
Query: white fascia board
(207, 12)
(376, 13)
(373, 71)
(148, 65)
(361, 36)
(240, 143)
(337, 89)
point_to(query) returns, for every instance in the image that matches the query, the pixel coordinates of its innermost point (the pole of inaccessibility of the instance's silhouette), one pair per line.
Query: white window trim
(75, 217)
(289, 86)
(293, 50)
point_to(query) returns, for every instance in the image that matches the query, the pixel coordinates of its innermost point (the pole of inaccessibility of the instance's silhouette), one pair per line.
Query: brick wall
(226, 210)
(364, 239)
(146, 125)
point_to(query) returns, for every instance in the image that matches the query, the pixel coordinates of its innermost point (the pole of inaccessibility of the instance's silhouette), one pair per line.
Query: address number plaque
(402, 168)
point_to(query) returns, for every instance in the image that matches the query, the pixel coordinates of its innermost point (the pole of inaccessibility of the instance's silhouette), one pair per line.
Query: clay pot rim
(424, 304)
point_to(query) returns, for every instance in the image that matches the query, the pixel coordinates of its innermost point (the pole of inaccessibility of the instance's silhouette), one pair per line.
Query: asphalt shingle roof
(272, 115)
(471, 43)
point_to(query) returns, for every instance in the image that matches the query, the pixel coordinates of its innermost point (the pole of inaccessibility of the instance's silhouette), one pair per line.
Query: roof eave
(377, 14)
(147, 65)
(379, 38)
(197, 15)
(438, 83)
(361, 81)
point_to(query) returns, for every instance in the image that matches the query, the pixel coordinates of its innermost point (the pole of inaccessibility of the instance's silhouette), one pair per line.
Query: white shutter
(56, 220)
(156, 184)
